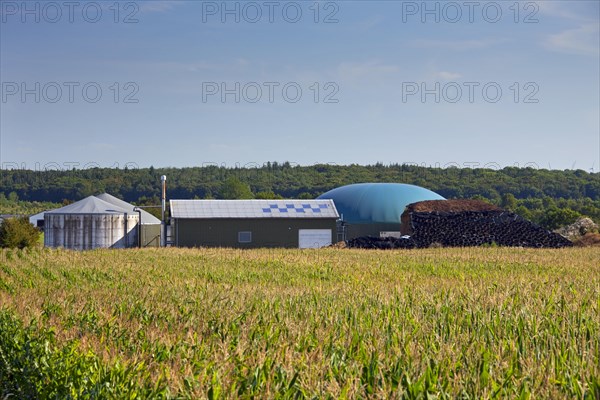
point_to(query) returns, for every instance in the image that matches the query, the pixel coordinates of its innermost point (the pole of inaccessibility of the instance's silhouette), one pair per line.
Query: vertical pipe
(126, 233)
(139, 211)
(163, 180)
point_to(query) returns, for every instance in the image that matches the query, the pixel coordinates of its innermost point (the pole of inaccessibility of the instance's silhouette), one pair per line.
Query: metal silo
(89, 224)
(149, 227)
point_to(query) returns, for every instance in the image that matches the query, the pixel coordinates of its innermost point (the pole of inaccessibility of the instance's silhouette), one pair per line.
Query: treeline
(548, 197)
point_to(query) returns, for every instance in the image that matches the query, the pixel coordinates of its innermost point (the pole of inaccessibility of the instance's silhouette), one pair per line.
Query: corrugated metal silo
(90, 223)
(149, 224)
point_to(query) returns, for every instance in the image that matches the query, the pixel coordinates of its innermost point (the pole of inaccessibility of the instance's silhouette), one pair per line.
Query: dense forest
(549, 197)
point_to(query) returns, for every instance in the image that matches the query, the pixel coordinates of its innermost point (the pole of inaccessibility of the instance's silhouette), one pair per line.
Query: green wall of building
(150, 235)
(266, 232)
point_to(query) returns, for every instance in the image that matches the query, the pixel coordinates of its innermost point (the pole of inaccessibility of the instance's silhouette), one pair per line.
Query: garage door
(314, 238)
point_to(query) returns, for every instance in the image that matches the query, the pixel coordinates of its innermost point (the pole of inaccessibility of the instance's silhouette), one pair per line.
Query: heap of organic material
(388, 243)
(461, 223)
(579, 228)
(475, 228)
(451, 206)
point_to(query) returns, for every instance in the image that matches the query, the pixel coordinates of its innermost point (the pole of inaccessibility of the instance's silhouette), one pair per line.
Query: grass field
(330, 323)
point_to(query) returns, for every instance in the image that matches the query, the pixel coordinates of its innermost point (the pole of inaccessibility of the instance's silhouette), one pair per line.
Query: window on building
(244, 237)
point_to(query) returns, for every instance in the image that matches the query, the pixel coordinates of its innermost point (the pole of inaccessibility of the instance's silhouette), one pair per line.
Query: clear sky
(189, 83)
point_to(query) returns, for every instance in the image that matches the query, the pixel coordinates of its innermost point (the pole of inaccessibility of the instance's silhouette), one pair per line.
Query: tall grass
(330, 323)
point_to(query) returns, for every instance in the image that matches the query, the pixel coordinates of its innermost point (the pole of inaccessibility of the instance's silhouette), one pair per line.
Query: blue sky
(380, 81)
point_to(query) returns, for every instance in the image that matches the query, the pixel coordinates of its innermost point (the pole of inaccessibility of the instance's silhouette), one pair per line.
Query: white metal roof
(90, 205)
(147, 218)
(206, 209)
(36, 217)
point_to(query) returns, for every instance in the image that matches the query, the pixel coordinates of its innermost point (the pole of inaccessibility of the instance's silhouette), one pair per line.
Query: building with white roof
(253, 223)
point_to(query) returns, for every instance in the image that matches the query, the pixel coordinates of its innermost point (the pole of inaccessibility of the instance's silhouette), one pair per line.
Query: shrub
(18, 233)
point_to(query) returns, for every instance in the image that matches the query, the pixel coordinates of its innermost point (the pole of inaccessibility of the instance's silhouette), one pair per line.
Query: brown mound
(589, 239)
(451, 206)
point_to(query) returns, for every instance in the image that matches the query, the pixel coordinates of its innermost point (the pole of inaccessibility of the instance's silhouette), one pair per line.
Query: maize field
(442, 323)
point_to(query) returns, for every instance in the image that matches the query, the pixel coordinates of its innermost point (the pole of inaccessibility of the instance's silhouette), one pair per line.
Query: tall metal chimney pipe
(163, 180)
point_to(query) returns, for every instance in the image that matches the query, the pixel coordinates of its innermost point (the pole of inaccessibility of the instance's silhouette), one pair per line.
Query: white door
(314, 238)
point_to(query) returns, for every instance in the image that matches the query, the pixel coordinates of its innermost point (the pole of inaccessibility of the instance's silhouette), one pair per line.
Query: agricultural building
(253, 223)
(149, 225)
(374, 209)
(37, 220)
(90, 223)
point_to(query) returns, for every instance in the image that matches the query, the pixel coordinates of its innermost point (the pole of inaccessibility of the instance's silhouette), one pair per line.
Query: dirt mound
(588, 240)
(578, 229)
(476, 228)
(451, 206)
(388, 243)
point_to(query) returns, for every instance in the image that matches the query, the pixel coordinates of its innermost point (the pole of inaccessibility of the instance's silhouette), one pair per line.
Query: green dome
(366, 203)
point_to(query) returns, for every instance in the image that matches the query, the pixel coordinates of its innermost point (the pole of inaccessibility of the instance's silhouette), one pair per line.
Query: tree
(480, 198)
(18, 233)
(523, 212)
(305, 195)
(233, 188)
(268, 195)
(558, 217)
(509, 201)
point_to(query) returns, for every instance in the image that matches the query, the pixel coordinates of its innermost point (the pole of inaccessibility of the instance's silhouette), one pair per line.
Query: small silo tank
(89, 224)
